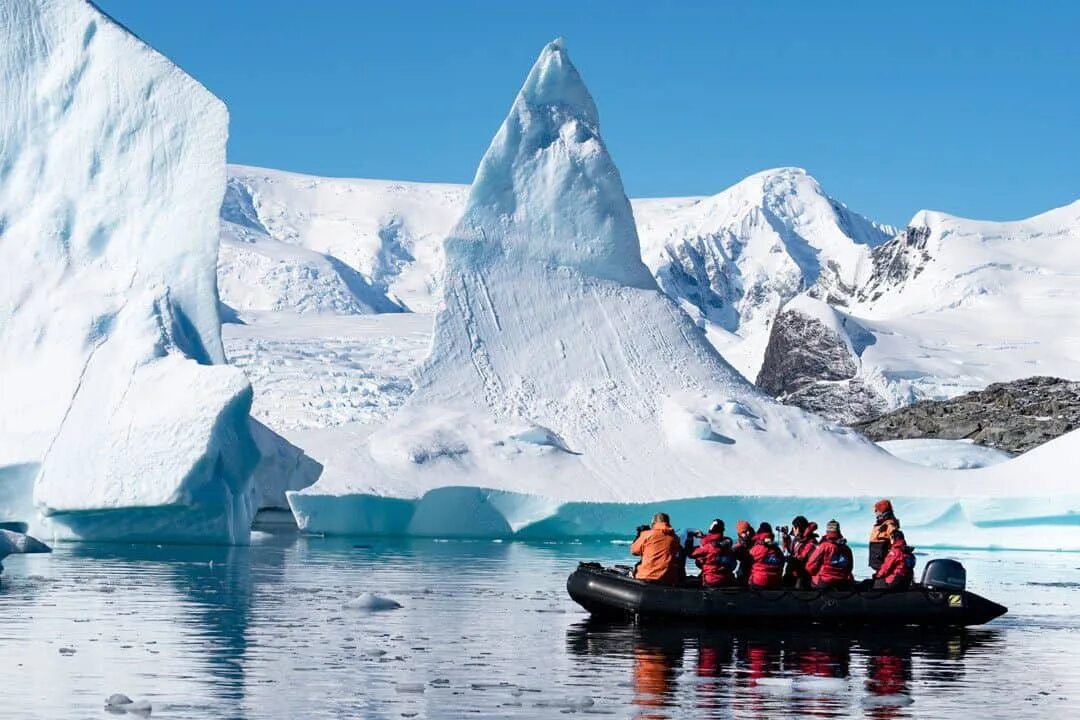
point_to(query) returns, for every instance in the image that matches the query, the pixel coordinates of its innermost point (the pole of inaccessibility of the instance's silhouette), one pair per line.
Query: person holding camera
(660, 551)
(800, 541)
(715, 557)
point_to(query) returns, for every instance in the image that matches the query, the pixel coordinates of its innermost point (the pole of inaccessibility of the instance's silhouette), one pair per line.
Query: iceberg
(116, 395)
(566, 395)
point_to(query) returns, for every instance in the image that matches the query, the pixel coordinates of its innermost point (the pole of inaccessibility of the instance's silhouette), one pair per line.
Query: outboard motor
(944, 574)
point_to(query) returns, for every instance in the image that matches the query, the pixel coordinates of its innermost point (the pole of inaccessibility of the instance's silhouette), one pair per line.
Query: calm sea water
(486, 630)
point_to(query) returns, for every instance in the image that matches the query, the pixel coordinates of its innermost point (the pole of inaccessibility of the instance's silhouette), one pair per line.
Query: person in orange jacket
(885, 524)
(660, 552)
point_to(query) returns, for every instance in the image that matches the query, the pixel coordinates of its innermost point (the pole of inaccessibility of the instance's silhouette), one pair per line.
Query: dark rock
(808, 364)
(1014, 416)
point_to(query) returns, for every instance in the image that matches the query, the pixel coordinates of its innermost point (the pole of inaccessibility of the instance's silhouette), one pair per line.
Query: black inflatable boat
(939, 601)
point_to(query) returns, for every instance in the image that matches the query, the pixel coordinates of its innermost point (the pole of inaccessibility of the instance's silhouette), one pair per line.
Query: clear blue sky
(968, 107)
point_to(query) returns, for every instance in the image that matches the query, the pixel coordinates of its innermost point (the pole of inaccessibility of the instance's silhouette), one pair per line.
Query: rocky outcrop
(895, 262)
(812, 361)
(1014, 416)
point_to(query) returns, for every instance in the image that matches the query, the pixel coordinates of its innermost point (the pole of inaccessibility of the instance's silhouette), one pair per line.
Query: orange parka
(660, 551)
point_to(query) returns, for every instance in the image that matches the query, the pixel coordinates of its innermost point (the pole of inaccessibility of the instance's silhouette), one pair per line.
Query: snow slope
(956, 304)
(945, 454)
(565, 394)
(258, 272)
(389, 233)
(111, 361)
(953, 305)
(733, 259)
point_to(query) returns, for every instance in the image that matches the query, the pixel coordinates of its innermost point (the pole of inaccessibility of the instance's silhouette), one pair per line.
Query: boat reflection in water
(711, 673)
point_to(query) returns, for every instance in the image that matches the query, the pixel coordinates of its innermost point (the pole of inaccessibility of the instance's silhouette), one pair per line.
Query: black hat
(765, 528)
(716, 526)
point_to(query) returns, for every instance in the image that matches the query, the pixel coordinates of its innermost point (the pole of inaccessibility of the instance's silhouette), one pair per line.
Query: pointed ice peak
(546, 190)
(555, 81)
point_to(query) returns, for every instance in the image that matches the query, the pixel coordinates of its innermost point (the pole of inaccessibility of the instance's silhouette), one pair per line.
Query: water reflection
(718, 673)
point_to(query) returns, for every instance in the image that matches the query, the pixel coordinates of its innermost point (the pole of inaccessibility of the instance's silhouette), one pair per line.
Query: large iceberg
(112, 372)
(565, 394)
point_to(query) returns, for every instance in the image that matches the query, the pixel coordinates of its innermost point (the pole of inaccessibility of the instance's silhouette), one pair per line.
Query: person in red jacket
(744, 540)
(799, 546)
(716, 557)
(767, 560)
(898, 568)
(830, 565)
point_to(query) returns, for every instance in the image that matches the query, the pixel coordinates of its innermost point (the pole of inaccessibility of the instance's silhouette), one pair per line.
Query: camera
(784, 530)
(642, 528)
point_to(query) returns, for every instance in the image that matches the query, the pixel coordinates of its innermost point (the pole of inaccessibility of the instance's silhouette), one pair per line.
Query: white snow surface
(565, 394)
(945, 454)
(994, 302)
(733, 259)
(112, 169)
(308, 230)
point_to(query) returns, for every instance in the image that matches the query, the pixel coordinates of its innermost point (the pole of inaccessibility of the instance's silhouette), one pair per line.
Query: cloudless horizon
(966, 107)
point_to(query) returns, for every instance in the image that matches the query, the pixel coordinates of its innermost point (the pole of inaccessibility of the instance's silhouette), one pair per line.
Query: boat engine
(944, 574)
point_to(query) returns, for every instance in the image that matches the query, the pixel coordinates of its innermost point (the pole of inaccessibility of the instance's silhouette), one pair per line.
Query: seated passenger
(830, 565)
(744, 539)
(898, 569)
(660, 552)
(767, 566)
(885, 524)
(799, 546)
(716, 557)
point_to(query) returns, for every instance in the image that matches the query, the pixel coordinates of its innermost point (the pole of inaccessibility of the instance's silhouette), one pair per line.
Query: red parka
(899, 565)
(803, 546)
(831, 562)
(767, 566)
(716, 558)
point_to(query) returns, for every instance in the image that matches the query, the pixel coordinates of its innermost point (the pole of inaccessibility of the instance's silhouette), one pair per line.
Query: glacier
(116, 397)
(565, 394)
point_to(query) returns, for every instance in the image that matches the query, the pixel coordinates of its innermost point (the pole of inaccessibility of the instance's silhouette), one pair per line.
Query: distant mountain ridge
(949, 305)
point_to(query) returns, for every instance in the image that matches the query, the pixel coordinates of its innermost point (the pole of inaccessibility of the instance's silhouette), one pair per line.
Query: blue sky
(967, 107)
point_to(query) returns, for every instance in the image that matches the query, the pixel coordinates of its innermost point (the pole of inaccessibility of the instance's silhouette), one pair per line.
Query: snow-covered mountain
(565, 393)
(115, 395)
(953, 305)
(303, 243)
(733, 259)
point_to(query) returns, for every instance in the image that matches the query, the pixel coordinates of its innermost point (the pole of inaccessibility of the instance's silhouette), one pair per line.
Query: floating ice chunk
(821, 684)
(369, 602)
(17, 543)
(886, 701)
(945, 454)
(112, 369)
(410, 687)
(120, 704)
